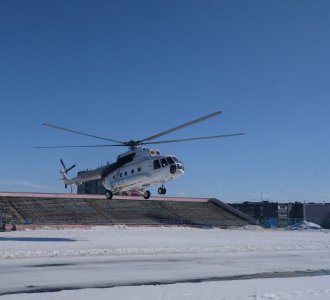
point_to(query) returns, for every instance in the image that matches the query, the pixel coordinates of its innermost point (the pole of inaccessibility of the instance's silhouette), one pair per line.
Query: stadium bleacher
(34, 208)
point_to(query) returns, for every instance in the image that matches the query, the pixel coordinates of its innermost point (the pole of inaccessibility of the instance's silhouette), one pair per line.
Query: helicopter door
(160, 169)
(156, 164)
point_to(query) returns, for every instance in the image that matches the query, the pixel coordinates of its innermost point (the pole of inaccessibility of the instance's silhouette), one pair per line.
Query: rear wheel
(108, 195)
(146, 194)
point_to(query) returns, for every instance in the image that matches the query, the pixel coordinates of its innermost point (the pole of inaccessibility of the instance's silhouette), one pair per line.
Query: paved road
(55, 274)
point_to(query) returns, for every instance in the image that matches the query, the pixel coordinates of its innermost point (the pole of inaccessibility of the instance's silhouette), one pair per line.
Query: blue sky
(129, 69)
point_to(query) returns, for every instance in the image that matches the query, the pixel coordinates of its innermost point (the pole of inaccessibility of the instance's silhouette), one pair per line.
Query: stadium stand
(35, 208)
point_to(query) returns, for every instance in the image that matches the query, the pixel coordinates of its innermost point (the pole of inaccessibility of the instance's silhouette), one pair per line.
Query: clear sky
(129, 69)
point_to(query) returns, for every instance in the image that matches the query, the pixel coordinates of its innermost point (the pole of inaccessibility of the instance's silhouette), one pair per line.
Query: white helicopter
(138, 168)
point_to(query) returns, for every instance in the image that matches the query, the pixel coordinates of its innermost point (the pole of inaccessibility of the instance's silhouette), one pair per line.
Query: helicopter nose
(177, 169)
(180, 168)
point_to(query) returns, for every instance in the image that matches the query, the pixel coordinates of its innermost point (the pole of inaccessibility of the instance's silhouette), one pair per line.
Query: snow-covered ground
(122, 262)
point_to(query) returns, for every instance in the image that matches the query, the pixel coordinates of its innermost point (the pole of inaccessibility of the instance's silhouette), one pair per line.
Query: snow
(303, 225)
(120, 262)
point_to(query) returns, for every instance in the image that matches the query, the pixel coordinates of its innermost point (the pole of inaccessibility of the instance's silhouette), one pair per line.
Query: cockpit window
(175, 159)
(170, 160)
(156, 164)
(163, 162)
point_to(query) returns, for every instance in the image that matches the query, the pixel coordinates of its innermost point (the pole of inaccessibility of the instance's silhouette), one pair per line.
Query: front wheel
(108, 195)
(146, 195)
(161, 191)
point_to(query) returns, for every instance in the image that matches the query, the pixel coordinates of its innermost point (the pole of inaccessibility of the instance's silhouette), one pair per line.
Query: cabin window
(163, 162)
(120, 175)
(125, 173)
(139, 169)
(132, 171)
(156, 164)
(175, 159)
(114, 176)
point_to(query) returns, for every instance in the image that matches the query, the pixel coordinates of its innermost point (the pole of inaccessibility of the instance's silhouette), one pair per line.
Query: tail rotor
(65, 171)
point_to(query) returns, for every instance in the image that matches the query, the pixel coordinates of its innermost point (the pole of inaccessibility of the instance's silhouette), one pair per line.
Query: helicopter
(139, 167)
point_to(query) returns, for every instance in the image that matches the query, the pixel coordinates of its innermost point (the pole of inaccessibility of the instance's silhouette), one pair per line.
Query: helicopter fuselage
(133, 172)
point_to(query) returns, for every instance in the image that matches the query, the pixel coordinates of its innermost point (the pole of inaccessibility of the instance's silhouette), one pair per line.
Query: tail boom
(84, 177)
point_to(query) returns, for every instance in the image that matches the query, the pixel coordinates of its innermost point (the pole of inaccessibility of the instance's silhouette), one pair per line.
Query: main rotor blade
(180, 127)
(74, 146)
(81, 133)
(195, 138)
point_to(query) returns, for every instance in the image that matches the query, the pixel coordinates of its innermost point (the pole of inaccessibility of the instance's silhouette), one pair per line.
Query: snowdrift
(303, 225)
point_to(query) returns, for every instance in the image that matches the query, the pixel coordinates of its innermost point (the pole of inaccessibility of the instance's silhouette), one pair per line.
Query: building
(274, 214)
(93, 187)
(318, 213)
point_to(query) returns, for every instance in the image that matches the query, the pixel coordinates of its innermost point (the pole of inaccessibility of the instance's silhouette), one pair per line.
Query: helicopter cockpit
(171, 161)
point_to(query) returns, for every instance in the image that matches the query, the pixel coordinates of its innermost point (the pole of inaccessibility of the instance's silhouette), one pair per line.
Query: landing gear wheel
(108, 195)
(161, 191)
(146, 194)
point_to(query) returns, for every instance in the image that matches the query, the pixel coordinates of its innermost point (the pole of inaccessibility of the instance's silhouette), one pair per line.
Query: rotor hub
(132, 144)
